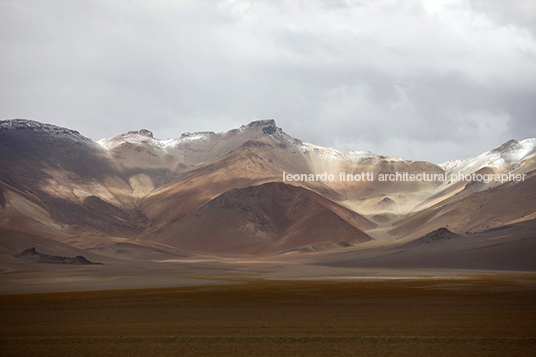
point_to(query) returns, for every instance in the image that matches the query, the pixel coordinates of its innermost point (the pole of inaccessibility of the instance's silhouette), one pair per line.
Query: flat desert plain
(469, 315)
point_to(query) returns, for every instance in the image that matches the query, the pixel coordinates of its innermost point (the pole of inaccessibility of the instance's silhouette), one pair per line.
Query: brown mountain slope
(59, 178)
(473, 211)
(510, 247)
(188, 191)
(57, 184)
(256, 162)
(261, 219)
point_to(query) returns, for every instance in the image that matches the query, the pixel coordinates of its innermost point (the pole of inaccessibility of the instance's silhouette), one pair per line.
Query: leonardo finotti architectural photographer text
(403, 176)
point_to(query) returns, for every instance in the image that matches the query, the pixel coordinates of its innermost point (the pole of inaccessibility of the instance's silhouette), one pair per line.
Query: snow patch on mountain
(329, 154)
(254, 129)
(138, 139)
(511, 152)
(193, 136)
(520, 151)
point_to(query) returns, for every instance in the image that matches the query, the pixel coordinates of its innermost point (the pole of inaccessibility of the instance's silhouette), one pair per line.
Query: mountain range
(252, 191)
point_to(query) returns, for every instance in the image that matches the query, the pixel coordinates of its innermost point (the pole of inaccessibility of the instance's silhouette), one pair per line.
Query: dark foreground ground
(480, 316)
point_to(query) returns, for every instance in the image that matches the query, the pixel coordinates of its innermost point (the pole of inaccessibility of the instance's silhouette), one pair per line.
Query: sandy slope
(507, 248)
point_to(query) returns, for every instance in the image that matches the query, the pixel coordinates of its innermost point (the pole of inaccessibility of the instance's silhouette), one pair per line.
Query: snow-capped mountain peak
(509, 153)
(144, 136)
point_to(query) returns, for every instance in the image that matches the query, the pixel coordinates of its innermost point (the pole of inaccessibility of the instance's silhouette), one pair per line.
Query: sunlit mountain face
(250, 191)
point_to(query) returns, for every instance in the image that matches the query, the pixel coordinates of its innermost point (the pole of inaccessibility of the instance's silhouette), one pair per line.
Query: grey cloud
(400, 79)
(519, 13)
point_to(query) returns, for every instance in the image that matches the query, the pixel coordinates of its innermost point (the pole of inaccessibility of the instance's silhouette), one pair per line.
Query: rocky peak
(32, 126)
(267, 126)
(29, 251)
(261, 123)
(32, 255)
(143, 132)
(506, 146)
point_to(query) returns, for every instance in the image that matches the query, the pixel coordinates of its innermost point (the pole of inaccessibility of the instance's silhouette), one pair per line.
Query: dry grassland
(484, 316)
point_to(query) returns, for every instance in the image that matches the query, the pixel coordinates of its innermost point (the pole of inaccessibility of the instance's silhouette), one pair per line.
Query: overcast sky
(424, 80)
